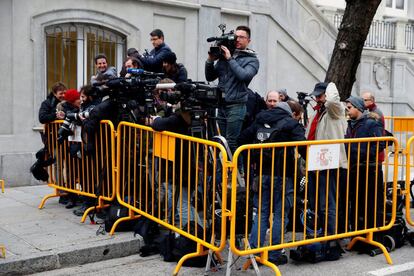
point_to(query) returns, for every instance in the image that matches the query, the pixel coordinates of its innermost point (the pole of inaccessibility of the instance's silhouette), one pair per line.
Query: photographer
(132, 61)
(173, 70)
(234, 72)
(104, 72)
(285, 129)
(47, 111)
(153, 61)
(179, 123)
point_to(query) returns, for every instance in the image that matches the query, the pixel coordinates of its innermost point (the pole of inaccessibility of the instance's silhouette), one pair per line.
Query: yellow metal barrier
(3, 249)
(76, 171)
(353, 203)
(408, 180)
(403, 129)
(176, 181)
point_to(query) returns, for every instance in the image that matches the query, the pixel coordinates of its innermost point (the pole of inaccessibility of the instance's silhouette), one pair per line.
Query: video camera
(303, 98)
(191, 95)
(226, 39)
(132, 92)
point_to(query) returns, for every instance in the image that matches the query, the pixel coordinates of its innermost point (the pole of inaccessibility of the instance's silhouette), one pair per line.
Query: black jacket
(153, 61)
(364, 127)
(180, 74)
(47, 111)
(291, 131)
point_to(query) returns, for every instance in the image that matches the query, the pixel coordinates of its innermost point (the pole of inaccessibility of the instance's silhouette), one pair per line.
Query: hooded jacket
(290, 130)
(365, 126)
(332, 122)
(234, 75)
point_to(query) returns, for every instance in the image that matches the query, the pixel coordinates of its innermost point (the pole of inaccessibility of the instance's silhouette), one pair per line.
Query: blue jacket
(153, 61)
(364, 127)
(234, 75)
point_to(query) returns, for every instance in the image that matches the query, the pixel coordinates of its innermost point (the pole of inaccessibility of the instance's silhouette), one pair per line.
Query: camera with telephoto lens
(132, 93)
(193, 96)
(71, 119)
(226, 39)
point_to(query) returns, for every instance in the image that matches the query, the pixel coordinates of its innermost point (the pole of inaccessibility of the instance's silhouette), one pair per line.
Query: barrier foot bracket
(46, 197)
(369, 240)
(118, 221)
(189, 256)
(93, 208)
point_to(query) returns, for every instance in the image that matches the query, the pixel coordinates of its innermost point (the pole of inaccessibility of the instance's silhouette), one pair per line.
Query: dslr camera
(65, 129)
(226, 39)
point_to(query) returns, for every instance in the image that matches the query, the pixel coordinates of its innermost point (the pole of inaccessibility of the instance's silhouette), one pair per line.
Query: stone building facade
(43, 40)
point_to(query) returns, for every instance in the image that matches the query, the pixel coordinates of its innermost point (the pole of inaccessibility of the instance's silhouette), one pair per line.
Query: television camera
(226, 39)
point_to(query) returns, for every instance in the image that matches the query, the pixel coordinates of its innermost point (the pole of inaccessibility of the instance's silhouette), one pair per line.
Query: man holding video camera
(234, 72)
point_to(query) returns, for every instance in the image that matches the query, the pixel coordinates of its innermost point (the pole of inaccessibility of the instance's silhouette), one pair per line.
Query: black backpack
(184, 246)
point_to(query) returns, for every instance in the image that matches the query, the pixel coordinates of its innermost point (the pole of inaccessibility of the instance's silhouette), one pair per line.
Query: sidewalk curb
(103, 250)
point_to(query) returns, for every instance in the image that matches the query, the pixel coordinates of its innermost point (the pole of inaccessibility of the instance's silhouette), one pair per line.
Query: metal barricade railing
(177, 181)
(401, 127)
(90, 174)
(279, 181)
(2, 247)
(409, 182)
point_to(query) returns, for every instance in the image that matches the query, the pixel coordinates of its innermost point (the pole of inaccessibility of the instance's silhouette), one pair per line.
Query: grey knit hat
(284, 106)
(357, 102)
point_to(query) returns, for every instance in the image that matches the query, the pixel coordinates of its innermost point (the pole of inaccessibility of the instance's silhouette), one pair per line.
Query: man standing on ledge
(234, 72)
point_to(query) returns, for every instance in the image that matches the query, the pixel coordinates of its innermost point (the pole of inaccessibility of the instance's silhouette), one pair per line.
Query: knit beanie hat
(285, 106)
(282, 91)
(357, 102)
(72, 95)
(170, 58)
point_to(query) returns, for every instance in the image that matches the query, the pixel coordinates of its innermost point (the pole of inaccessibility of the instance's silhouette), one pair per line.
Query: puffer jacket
(365, 126)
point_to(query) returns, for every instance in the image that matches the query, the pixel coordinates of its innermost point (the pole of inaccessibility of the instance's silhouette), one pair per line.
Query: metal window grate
(409, 37)
(71, 48)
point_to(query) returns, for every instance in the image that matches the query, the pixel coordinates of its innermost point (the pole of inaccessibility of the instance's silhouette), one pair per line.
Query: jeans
(231, 125)
(322, 204)
(265, 212)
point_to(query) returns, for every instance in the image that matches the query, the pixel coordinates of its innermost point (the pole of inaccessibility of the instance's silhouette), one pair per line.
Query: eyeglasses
(242, 37)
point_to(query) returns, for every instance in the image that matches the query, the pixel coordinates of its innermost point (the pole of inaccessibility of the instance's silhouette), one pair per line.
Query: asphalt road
(350, 264)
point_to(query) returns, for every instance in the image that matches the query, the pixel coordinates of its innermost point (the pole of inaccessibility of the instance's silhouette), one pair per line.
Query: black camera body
(131, 93)
(193, 96)
(71, 119)
(303, 98)
(226, 39)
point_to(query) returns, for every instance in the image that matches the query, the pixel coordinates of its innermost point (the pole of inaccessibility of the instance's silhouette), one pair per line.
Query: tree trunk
(349, 44)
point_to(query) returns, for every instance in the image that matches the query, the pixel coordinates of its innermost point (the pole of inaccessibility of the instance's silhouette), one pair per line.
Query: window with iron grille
(71, 48)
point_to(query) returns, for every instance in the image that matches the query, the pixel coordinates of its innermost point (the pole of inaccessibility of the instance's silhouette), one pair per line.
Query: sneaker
(280, 260)
(71, 204)
(79, 212)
